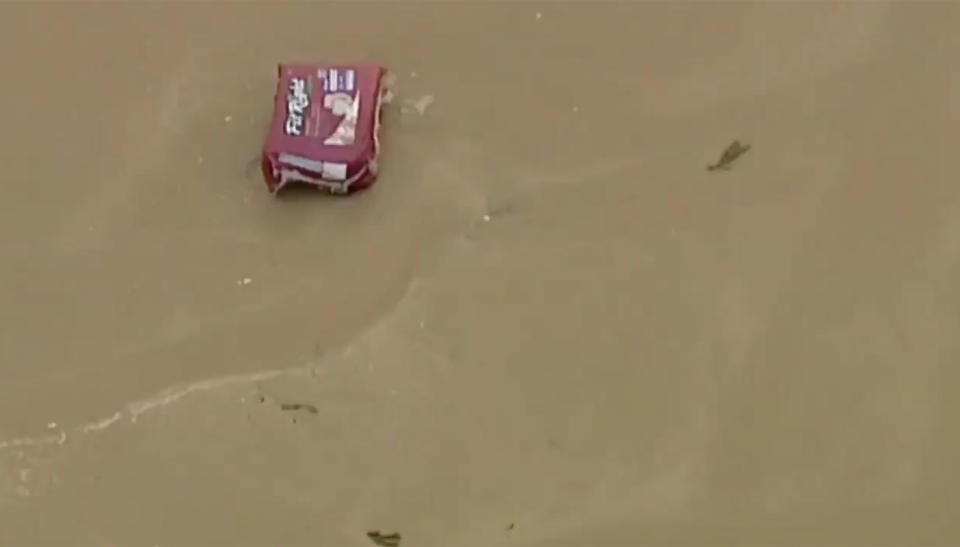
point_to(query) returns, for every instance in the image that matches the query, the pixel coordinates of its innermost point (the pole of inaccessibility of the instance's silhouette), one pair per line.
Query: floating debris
(299, 406)
(730, 154)
(384, 540)
(320, 134)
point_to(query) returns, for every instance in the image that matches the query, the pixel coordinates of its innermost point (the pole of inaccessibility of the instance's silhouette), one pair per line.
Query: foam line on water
(131, 412)
(136, 409)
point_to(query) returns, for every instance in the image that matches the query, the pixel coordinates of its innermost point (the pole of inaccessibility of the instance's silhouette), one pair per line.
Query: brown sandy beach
(548, 323)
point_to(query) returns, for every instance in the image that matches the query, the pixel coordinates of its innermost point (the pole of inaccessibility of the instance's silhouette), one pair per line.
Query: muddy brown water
(547, 324)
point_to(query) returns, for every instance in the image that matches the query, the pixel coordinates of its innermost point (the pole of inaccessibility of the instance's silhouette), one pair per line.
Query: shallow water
(547, 313)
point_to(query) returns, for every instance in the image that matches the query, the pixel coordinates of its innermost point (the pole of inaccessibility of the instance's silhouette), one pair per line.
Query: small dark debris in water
(263, 399)
(384, 540)
(300, 406)
(730, 154)
(511, 526)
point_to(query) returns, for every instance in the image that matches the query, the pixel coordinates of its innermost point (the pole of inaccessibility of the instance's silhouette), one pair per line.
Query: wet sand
(547, 324)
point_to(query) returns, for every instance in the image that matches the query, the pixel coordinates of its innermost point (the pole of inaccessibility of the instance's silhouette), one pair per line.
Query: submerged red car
(325, 128)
